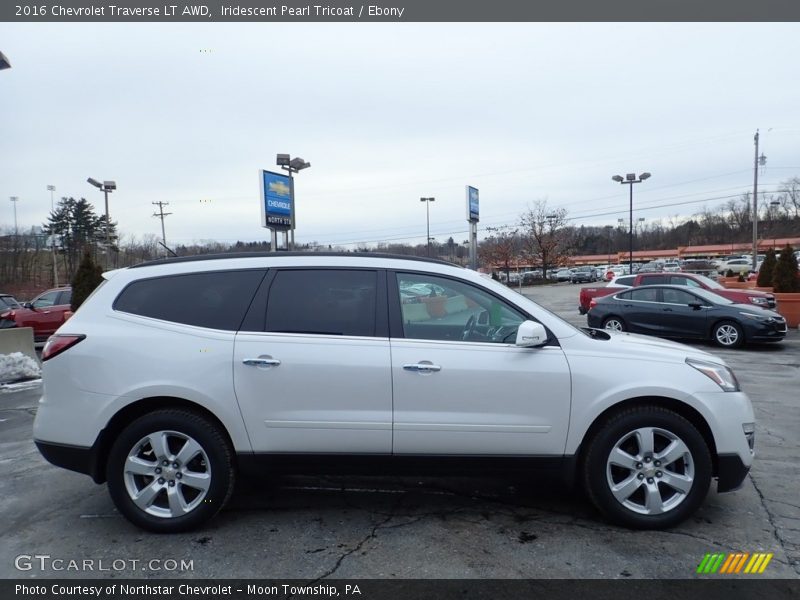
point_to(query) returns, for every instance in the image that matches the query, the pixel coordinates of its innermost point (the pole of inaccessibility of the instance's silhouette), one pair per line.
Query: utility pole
(51, 189)
(759, 160)
(14, 200)
(161, 214)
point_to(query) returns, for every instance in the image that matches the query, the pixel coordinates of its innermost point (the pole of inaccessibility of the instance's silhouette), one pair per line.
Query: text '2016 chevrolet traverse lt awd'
(177, 376)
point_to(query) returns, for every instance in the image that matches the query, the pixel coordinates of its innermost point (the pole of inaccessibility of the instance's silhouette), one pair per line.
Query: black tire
(213, 462)
(598, 475)
(613, 318)
(727, 334)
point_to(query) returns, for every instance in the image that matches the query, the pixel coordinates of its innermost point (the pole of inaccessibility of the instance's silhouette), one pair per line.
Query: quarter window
(323, 301)
(436, 308)
(217, 300)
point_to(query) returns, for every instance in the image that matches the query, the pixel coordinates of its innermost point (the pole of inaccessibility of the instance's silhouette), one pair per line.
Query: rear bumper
(731, 473)
(75, 458)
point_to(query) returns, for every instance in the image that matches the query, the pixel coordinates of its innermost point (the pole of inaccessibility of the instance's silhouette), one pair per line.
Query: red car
(45, 313)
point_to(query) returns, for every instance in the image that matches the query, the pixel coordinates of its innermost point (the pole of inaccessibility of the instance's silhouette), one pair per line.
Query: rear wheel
(728, 334)
(614, 323)
(170, 471)
(647, 468)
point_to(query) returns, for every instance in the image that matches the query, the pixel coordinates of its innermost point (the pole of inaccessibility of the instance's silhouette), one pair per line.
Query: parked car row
(45, 313)
(755, 297)
(687, 313)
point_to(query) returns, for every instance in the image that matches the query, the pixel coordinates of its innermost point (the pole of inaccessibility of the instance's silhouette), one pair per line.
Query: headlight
(759, 300)
(762, 318)
(719, 374)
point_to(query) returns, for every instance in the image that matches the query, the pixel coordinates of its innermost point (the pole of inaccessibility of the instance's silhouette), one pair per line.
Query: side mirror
(696, 305)
(28, 305)
(531, 334)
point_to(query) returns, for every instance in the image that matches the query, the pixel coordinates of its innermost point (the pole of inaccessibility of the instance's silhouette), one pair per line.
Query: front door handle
(422, 367)
(261, 362)
(667, 310)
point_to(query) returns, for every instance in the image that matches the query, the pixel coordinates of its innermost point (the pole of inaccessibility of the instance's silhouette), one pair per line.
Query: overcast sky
(387, 113)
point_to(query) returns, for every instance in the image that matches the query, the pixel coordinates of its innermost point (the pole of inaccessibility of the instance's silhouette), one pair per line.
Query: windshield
(711, 297)
(710, 283)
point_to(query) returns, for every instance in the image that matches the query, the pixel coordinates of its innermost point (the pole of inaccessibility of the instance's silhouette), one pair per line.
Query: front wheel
(614, 324)
(728, 334)
(170, 470)
(647, 468)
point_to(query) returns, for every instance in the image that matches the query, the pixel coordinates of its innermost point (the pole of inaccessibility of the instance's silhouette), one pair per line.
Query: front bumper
(731, 472)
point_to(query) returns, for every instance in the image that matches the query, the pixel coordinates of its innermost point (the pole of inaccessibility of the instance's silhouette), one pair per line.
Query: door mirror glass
(531, 334)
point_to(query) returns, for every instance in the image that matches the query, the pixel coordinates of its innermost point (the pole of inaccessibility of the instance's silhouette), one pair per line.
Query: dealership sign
(472, 204)
(277, 200)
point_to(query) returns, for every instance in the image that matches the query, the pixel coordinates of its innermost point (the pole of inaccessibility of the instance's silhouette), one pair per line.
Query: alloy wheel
(167, 474)
(650, 471)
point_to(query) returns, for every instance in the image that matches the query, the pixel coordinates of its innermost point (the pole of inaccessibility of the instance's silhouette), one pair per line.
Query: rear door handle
(261, 362)
(422, 367)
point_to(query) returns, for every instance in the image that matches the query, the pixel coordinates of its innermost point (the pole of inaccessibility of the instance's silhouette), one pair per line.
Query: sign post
(473, 216)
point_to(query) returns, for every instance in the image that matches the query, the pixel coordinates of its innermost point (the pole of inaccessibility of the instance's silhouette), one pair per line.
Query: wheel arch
(129, 413)
(686, 411)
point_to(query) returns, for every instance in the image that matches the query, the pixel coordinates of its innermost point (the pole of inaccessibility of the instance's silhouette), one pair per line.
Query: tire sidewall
(205, 434)
(602, 444)
(615, 318)
(739, 330)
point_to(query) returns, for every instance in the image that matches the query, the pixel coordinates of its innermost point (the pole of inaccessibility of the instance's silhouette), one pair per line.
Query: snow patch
(17, 366)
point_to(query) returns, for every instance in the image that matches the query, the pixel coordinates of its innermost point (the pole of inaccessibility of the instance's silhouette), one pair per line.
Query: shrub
(88, 276)
(730, 273)
(784, 280)
(741, 278)
(767, 270)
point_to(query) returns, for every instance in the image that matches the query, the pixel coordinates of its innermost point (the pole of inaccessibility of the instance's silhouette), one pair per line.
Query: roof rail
(229, 255)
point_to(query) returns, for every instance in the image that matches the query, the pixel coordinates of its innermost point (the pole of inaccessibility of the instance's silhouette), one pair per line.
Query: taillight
(8, 315)
(59, 343)
(592, 303)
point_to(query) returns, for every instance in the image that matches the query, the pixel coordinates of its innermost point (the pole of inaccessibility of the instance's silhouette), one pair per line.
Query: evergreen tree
(88, 276)
(79, 228)
(785, 278)
(767, 269)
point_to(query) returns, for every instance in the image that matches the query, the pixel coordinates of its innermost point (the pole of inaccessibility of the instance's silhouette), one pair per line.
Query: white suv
(179, 375)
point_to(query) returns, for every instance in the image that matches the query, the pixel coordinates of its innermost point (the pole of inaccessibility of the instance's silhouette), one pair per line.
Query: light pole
(427, 202)
(759, 160)
(14, 200)
(629, 180)
(106, 187)
(51, 189)
(292, 165)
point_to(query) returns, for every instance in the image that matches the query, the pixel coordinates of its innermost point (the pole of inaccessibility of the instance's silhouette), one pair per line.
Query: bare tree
(543, 234)
(501, 248)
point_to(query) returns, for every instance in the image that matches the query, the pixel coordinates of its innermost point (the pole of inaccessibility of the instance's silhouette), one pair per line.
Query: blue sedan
(680, 312)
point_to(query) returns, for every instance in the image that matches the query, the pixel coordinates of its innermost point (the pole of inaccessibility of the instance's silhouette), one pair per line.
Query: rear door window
(217, 299)
(653, 279)
(323, 301)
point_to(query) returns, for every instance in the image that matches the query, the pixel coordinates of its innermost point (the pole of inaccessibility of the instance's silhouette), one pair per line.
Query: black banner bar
(401, 11)
(719, 588)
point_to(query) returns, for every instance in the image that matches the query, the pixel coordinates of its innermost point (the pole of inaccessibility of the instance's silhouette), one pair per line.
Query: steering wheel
(469, 328)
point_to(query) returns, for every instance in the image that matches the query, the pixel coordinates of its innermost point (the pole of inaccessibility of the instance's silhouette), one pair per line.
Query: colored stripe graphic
(734, 563)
